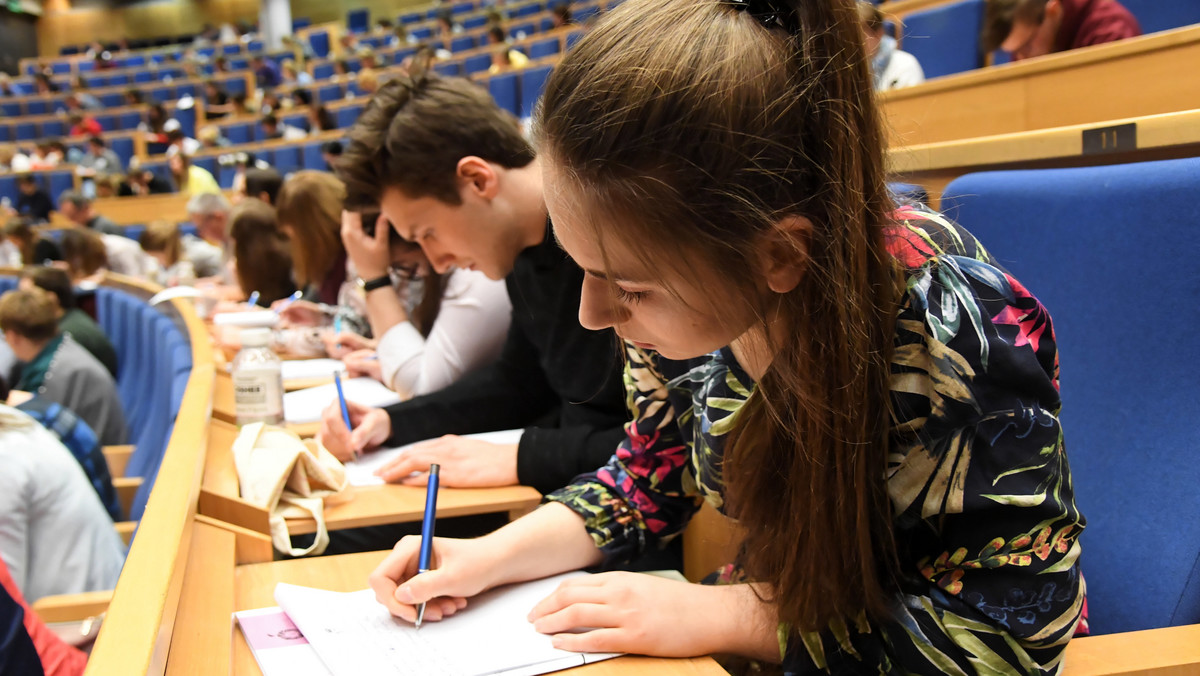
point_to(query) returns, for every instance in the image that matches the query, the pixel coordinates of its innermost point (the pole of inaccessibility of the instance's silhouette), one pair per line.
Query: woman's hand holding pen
(372, 427)
(460, 570)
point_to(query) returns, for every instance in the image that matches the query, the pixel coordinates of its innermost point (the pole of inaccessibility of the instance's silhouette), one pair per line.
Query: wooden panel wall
(61, 24)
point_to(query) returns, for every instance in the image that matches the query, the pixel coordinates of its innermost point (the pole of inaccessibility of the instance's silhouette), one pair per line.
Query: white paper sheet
(353, 634)
(311, 369)
(361, 472)
(304, 406)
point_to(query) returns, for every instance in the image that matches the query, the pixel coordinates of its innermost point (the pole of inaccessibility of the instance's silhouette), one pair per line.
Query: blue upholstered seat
(945, 39)
(1111, 251)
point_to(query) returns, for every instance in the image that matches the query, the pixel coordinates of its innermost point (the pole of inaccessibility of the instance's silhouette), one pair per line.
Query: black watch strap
(377, 283)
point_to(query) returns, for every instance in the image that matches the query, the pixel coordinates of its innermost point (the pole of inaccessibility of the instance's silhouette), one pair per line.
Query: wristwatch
(369, 285)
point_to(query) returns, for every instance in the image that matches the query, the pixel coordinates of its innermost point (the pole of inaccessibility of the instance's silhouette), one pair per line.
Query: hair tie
(767, 12)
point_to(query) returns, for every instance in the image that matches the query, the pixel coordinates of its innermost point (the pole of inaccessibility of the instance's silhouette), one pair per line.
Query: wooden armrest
(125, 530)
(72, 607)
(118, 459)
(127, 488)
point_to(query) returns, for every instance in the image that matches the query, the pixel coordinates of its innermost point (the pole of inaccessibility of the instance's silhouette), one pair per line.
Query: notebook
(305, 406)
(352, 634)
(361, 472)
(278, 646)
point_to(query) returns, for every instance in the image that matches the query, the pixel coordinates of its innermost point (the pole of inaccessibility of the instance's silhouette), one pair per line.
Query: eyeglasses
(405, 271)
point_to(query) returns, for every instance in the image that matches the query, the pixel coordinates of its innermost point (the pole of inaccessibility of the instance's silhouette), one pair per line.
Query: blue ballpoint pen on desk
(337, 380)
(288, 301)
(253, 299)
(423, 563)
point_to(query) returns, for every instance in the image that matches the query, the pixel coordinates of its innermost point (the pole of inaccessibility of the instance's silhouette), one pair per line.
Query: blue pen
(431, 491)
(253, 299)
(290, 299)
(337, 380)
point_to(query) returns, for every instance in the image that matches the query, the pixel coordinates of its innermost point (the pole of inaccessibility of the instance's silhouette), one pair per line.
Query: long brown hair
(696, 127)
(263, 254)
(310, 203)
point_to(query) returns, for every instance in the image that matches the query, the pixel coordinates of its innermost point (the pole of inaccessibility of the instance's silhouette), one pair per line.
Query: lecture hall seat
(533, 81)
(1111, 251)
(945, 39)
(1161, 15)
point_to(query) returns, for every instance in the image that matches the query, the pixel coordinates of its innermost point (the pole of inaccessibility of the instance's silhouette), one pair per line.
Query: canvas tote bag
(288, 477)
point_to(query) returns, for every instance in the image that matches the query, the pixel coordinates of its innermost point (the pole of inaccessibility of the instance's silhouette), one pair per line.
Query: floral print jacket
(984, 511)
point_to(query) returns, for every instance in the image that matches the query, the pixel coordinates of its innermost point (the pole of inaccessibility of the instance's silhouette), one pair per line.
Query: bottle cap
(256, 337)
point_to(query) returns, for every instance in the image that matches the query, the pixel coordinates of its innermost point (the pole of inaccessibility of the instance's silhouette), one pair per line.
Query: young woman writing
(862, 387)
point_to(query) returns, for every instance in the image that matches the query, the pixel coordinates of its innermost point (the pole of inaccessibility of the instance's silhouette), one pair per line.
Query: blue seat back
(358, 20)
(1161, 15)
(319, 41)
(329, 92)
(37, 107)
(346, 116)
(533, 80)
(123, 147)
(312, 157)
(543, 48)
(240, 132)
(478, 63)
(448, 68)
(52, 128)
(322, 71)
(503, 88)
(286, 159)
(462, 43)
(473, 22)
(945, 39)
(1111, 252)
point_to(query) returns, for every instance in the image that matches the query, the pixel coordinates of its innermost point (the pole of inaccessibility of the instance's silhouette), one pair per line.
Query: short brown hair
(310, 203)
(415, 130)
(162, 236)
(256, 238)
(1000, 15)
(54, 280)
(30, 313)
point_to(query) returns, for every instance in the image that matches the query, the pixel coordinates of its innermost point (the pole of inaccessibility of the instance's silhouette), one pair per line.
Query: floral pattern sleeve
(647, 491)
(984, 510)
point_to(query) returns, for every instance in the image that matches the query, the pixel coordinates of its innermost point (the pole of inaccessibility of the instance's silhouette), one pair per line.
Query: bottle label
(258, 395)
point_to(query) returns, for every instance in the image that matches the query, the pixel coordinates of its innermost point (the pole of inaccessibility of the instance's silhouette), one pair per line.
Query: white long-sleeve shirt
(468, 333)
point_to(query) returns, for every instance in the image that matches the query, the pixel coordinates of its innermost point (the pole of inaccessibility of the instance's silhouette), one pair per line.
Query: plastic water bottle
(257, 380)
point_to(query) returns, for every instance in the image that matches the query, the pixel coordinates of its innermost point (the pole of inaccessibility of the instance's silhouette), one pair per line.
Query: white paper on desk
(311, 369)
(305, 406)
(278, 645)
(247, 319)
(353, 634)
(361, 472)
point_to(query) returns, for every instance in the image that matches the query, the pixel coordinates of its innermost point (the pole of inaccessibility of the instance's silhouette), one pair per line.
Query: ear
(1054, 10)
(785, 253)
(477, 176)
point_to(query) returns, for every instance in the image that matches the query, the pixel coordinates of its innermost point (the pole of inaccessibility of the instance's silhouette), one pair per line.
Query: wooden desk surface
(363, 505)
(254, 587)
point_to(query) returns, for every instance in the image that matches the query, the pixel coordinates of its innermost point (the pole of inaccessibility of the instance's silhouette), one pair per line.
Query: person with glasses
(431, 328)
(1029, 28)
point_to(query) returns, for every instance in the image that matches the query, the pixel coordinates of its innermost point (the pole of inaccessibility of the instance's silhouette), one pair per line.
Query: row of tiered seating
(945, 38)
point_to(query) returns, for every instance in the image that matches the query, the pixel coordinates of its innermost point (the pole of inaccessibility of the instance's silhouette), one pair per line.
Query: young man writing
(451, 171)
